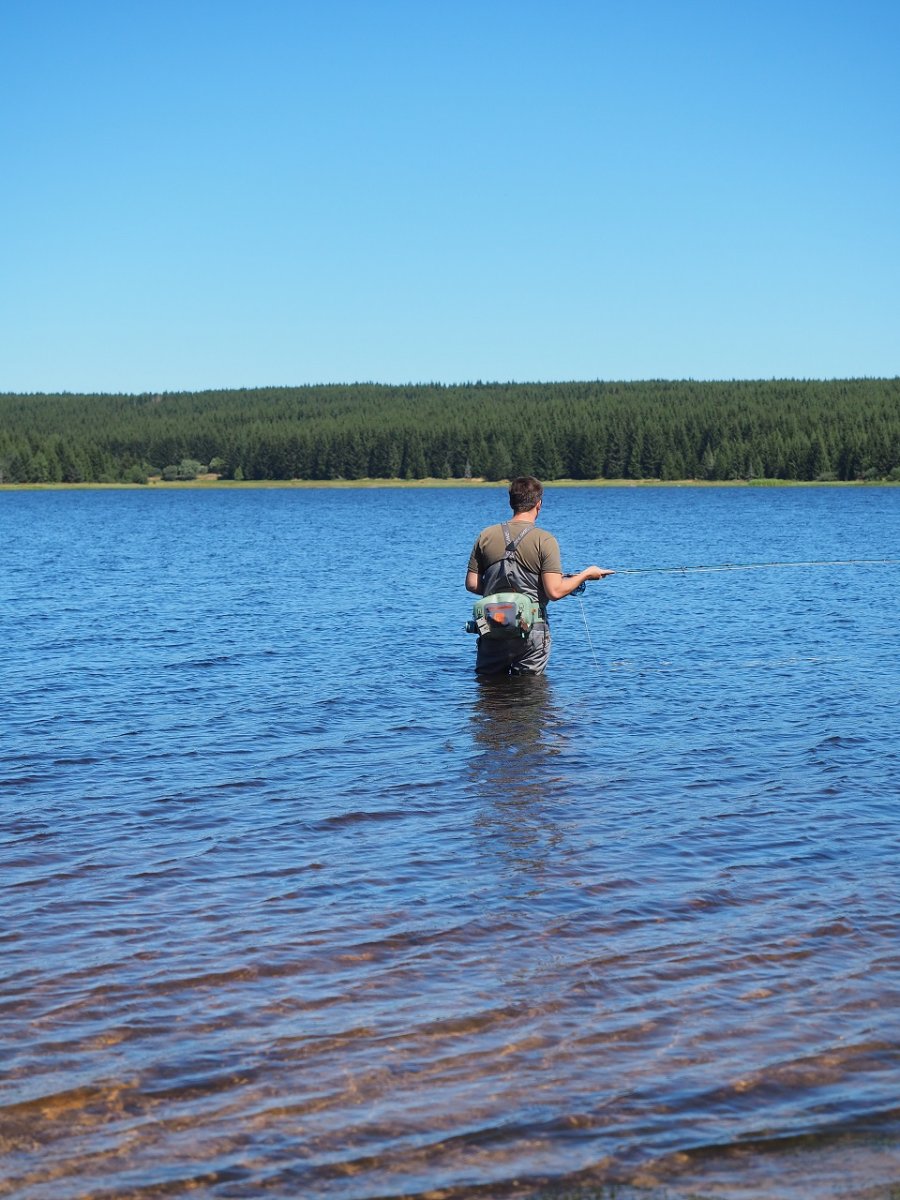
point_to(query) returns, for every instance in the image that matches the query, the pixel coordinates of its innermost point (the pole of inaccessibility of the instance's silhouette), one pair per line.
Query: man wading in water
(516, 557)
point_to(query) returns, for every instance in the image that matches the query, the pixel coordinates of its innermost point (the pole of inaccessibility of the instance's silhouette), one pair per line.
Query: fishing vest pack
(506, 610)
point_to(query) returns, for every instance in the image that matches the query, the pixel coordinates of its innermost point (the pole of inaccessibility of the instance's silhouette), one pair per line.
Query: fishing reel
(577, 591)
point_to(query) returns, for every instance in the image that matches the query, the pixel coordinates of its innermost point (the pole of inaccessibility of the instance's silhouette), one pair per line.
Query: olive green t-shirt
(537, 552)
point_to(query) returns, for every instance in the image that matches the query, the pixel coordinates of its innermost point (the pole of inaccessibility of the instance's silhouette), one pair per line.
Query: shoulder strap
(511, 543)
(507, 573)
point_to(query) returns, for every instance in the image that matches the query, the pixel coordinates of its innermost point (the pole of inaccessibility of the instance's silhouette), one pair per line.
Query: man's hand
(597, 572)
(558, 586)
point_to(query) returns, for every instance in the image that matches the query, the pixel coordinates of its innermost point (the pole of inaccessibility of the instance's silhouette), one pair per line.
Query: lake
(296, 906)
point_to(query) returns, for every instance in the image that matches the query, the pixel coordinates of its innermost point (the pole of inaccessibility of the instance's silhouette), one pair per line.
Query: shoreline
(216, 484)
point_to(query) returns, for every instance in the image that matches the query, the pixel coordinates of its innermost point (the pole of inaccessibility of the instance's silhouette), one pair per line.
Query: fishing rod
(835, 562)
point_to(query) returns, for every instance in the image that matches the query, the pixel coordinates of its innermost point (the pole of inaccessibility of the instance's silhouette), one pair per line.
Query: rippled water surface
(295, 906)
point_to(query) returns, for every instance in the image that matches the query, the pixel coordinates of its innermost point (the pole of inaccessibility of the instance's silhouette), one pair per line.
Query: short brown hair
(524, 493)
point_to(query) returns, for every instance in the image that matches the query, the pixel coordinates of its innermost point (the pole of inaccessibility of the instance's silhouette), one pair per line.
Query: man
(529, 562)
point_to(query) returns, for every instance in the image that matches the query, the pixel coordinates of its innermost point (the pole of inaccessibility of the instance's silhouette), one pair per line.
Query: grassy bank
(207, 483)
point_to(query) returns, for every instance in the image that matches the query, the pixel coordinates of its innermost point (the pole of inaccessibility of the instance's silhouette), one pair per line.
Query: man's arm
(473, 583)
(557, 586)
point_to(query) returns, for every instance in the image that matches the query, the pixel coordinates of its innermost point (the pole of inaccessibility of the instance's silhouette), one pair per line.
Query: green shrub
(187, 469)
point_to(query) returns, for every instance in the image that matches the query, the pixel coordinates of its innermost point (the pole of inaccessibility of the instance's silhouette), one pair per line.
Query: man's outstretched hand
(597, 572)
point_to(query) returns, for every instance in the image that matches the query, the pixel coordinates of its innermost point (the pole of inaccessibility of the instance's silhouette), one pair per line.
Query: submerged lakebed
(296, 906)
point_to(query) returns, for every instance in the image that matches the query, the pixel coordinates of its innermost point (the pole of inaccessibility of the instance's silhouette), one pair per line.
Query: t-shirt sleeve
(473, 558)
(551, 560)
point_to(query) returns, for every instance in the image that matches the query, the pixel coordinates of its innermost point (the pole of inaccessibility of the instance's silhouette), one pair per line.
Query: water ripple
(294, 906)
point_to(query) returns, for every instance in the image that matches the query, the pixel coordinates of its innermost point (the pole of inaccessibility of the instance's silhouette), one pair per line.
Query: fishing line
(588, 632)
(839, 562)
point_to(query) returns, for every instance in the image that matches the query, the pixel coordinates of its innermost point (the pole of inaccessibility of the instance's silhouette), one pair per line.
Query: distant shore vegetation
(789, 430)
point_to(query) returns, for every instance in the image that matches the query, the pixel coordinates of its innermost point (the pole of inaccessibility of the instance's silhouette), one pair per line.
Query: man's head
(525, 493)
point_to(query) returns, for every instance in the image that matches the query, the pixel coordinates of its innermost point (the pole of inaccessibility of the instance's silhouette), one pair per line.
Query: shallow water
(296, 906)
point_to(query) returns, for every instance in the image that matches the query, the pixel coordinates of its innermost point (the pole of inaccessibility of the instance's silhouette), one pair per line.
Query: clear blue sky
(206, 193)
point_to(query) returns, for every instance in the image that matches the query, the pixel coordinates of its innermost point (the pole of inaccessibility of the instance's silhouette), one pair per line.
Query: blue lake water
(295, 906)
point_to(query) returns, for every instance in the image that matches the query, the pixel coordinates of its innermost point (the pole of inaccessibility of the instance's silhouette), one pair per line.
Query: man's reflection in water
(516, 728)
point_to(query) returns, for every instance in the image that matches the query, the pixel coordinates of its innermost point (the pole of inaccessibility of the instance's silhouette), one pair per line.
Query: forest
(805, 430)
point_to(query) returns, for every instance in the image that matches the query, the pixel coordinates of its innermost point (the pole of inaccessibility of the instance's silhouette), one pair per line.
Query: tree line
(778, 429)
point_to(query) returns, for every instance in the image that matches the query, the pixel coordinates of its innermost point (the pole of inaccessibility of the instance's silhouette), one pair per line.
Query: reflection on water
(515, 726)
(297, 905)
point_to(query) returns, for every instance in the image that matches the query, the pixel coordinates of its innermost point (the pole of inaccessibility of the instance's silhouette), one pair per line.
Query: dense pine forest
(788, 429)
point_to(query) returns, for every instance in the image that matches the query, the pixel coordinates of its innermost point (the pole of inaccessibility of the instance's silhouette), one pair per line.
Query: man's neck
(530, 516)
